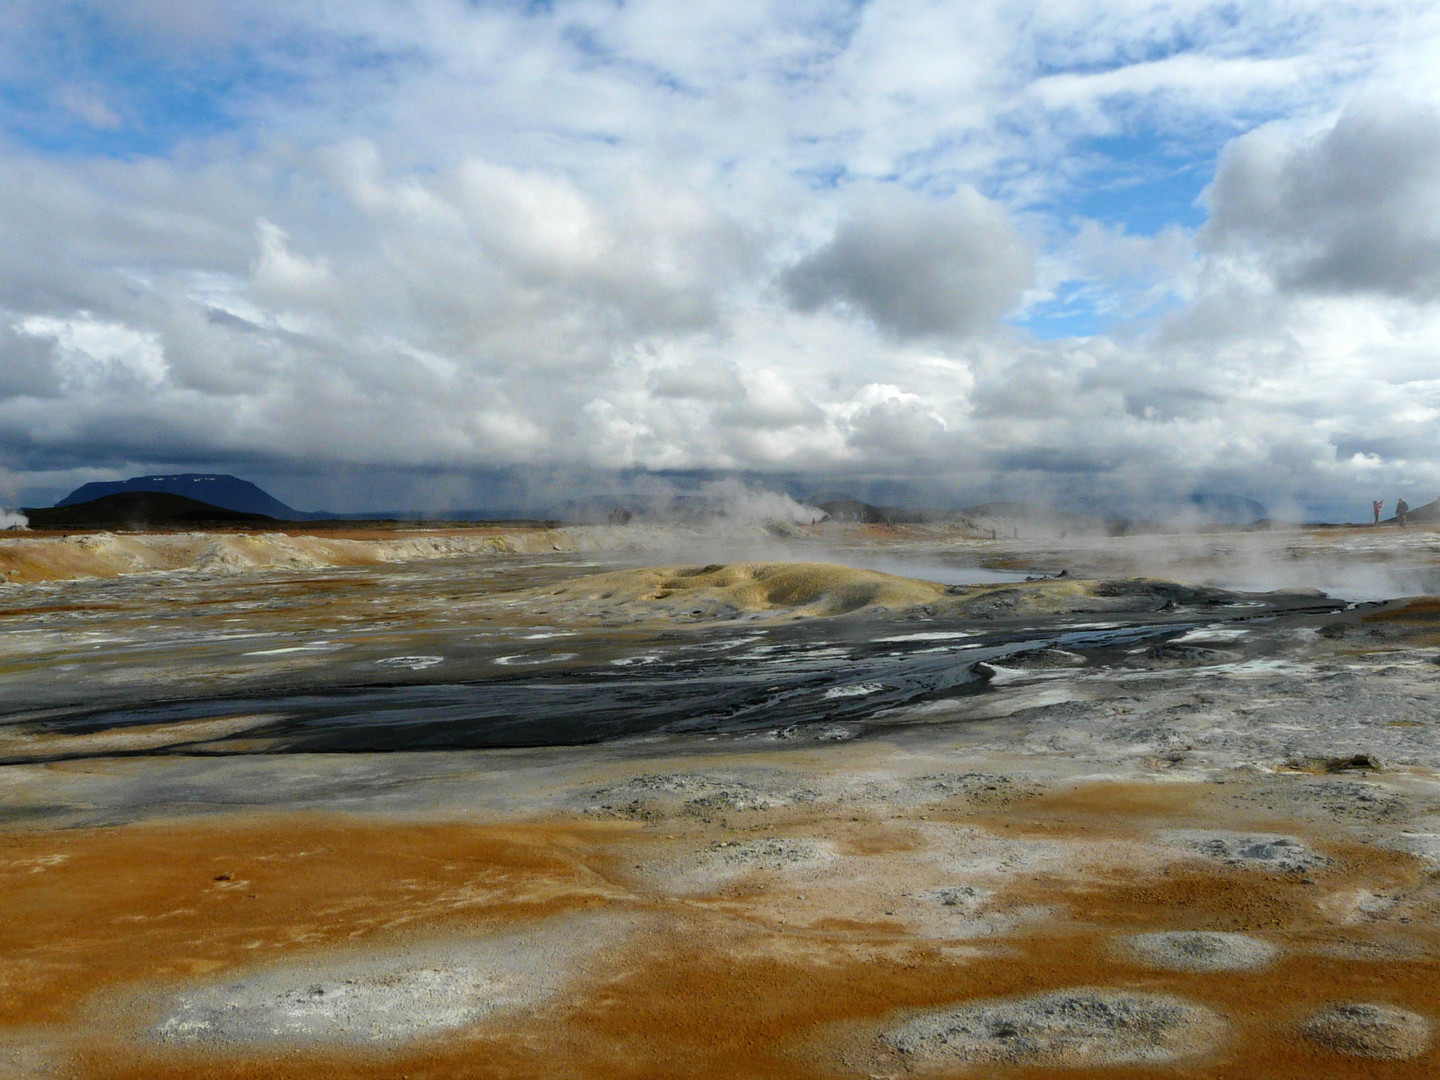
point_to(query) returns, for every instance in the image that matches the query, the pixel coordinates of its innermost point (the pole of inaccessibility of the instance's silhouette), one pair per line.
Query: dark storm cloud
(26, 369)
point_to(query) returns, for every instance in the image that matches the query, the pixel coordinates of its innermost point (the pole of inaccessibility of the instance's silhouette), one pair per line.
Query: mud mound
(1084, 1027)
(753, 590)
(652, 796)
(723, 862)
(1252, 851)
(739, 589)
(107, 555)
(1194, 950)
(384, 995)
(1371, 1031)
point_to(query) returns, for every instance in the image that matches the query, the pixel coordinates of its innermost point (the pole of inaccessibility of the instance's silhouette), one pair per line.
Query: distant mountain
(223, 491)
(143, 508)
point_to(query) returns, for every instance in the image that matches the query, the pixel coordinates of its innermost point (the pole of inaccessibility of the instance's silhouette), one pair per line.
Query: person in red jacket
(1376, 505)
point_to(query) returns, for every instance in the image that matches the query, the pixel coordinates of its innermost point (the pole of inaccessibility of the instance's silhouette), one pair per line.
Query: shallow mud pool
(562, 815)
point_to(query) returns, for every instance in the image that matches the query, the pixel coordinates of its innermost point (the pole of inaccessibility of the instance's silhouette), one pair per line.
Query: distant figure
(1376, 505)
(992, 534)
(1401, 509)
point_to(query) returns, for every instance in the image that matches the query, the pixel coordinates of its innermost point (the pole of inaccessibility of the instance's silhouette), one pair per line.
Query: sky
(385, 253)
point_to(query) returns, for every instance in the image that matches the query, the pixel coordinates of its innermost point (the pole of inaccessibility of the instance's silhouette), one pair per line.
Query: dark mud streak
(698, 689)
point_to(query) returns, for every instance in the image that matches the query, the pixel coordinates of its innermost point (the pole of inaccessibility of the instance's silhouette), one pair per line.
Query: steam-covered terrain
(774, 801)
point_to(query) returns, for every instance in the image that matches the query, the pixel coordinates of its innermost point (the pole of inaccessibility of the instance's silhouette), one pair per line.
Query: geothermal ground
(636, 802)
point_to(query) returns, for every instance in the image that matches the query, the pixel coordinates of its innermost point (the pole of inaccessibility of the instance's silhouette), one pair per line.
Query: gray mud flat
(820, 680)
(1015, 837)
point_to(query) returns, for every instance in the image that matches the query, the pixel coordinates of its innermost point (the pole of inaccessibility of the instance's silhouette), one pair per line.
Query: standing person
(1376, 506)
(1401, 509)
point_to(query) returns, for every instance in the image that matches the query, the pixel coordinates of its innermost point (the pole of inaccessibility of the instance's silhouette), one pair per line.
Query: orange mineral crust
(764, 973)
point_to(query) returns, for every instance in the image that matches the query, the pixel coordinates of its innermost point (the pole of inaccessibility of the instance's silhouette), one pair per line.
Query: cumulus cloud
(918, 266)
(369, 240)
(1354, 207)
(893, 425)
(285, 276)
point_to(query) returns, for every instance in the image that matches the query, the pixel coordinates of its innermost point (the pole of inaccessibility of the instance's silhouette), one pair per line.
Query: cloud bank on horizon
(1071, 249)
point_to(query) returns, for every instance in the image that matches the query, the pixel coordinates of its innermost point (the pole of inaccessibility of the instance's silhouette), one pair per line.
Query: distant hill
(1428, 514)
(216, 490)
(140, 508)
(848, 508)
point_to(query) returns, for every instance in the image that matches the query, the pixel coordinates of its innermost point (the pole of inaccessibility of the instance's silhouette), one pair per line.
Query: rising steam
(13, 520)
(743, 503)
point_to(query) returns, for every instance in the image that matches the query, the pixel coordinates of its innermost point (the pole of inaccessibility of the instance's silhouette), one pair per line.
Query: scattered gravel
(965, 897)
(768, 853)
(1370, 1031)
(1083, 1027)
(652, 796)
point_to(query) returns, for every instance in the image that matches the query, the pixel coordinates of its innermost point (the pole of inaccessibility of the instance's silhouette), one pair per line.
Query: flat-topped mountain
(212, 489)
(141, 508)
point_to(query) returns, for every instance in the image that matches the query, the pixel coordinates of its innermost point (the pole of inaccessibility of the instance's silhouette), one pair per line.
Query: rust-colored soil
(714, 986)
(1426, 610)
(88, 909)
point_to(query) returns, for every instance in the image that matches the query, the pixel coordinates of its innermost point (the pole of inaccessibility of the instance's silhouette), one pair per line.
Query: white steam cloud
(13, 520)
(743, 503)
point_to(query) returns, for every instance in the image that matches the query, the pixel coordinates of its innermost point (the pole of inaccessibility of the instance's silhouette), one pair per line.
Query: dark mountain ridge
(212, 489)
(141, 509)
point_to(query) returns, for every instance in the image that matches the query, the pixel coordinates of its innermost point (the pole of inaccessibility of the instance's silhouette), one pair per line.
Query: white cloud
(93, 354)
(88, 106)
(1352, 207)
(755, 236)
(283, 276)
(918, 267)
